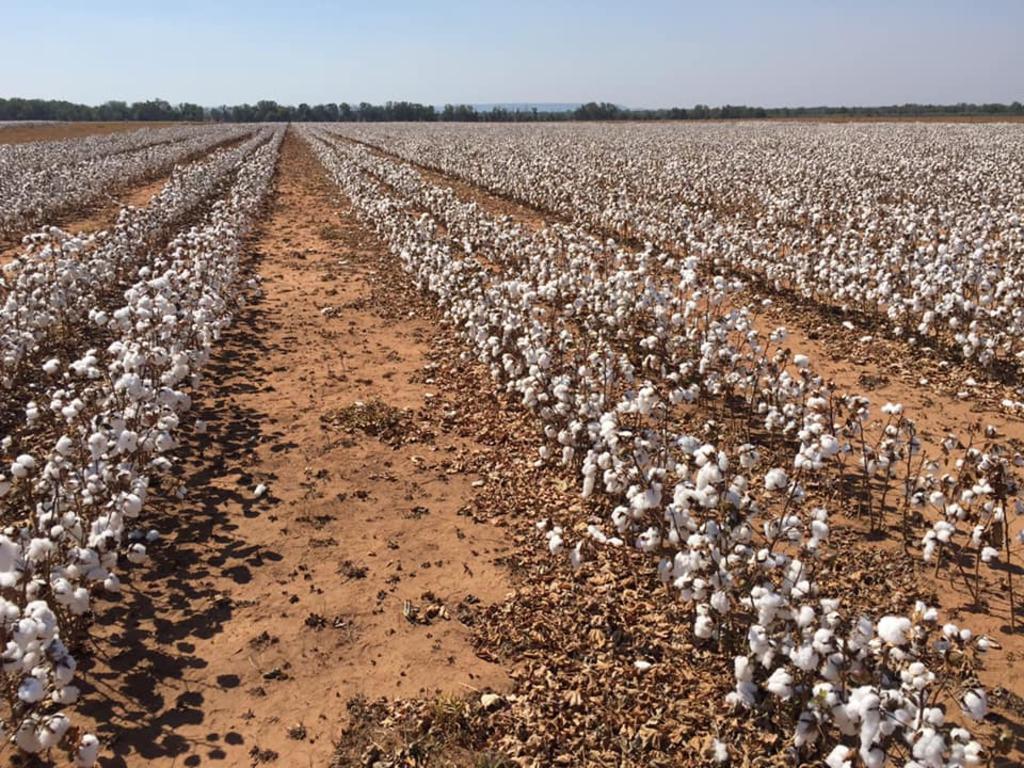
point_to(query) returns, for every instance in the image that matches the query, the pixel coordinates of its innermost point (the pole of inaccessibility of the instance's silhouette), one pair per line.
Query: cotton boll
(555, 542)
(27, 737)
(974, 704)
(52, 730)
(894, 630)
(720, 752)
(31, 690)
(839, 757)
(88, 751)
(780, 683)
(66, 695)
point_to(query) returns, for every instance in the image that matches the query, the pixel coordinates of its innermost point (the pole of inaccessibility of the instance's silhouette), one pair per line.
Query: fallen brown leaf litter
(376, 418)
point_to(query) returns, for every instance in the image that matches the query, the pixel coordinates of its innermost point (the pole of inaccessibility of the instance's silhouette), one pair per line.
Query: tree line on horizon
(405, 111)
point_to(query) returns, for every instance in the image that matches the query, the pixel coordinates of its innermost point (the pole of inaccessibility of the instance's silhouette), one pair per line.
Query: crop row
(99, 433)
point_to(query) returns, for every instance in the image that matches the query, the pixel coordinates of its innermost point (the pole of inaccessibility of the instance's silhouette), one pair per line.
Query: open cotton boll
(52, 730)
(839, 757)
(776, 479)
(27, 736)
(719, 752)
(975, 704)
(137, 553)
(259, 491)
(894, 630)
(88, 751)
(31, 690)
(780, 683)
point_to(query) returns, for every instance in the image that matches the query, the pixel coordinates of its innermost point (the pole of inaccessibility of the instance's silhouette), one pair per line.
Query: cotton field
(607, 444)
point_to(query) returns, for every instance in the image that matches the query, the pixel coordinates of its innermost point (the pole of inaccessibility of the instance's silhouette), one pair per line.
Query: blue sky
(635, 53)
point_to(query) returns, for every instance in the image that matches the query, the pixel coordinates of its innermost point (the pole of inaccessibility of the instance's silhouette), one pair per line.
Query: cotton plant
(99, 431)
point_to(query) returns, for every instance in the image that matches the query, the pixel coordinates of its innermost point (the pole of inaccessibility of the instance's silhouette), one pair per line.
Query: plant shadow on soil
(175, 597)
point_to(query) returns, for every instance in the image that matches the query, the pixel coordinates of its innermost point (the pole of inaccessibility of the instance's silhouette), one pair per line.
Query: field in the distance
(615, 444)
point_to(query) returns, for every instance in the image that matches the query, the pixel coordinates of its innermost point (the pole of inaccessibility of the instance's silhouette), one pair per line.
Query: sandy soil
(262, 617)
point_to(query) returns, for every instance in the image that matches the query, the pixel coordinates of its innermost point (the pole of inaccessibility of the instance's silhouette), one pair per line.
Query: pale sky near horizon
(644, 53)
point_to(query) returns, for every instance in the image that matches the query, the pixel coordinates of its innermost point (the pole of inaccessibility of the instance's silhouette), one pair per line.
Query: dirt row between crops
(941, 398)
(261, 616)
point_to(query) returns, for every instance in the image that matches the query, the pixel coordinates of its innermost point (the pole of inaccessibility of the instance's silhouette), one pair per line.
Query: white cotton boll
(930, 748)
(259, 491)
(152, 535)
(801, 361)
(576, 556)
(31, 690)
(804, 658)
(986, 643)
(51, 366)
(80, 601)
(136, 554)
(555, 543)
(112, 584)
(973, 753)
(97, 444)
(988, 554)
(88, 751)
(720, 602)
(127, 441)
(52, 730)
(894, 630)
(720, 752)
(132, 505)
(776, 479)
(27, 737)
(839, 757)
(64, 445)
(67, 695)
(642, 665)
(975, 704)
(703, 626)
(780, 683)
